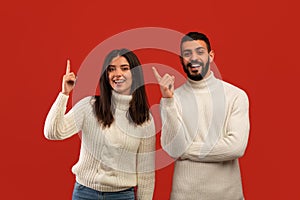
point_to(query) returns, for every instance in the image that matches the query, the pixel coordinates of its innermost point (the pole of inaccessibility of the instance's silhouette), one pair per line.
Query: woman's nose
(118, 72)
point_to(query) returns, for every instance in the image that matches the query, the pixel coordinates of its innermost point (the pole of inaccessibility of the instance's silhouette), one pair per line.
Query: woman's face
(119, 75)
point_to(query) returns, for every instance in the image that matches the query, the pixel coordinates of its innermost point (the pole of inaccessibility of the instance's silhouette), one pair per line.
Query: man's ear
(181, 59)
(211, 55)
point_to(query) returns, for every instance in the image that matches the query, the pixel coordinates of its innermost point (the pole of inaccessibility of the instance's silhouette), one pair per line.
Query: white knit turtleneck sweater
(111, 159)
(206, 126)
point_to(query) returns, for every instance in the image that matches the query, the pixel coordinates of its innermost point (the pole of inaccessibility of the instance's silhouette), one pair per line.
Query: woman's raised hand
(69, 80)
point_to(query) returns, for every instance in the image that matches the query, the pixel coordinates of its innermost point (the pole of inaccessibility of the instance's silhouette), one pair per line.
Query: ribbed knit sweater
(111, 159)
(206, 126)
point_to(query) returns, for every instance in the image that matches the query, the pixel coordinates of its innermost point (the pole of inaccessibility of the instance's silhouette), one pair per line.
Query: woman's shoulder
(86, 101)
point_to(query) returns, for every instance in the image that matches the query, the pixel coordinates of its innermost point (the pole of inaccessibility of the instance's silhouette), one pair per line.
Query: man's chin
(195, 73)
(197, 77)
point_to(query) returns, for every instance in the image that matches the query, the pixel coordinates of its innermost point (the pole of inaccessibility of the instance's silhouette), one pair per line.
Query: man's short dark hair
(195, 36)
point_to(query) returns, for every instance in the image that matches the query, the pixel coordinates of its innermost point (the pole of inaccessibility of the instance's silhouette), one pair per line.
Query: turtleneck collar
(207, 83)
(120, 101)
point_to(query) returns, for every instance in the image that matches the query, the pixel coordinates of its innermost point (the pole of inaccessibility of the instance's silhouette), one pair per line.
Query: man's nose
(194, 56)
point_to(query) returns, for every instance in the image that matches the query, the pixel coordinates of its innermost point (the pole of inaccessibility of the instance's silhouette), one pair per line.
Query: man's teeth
(195, 65)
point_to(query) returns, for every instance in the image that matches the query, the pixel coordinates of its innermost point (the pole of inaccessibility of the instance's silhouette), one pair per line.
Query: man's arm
(174, 137)
(230, 146)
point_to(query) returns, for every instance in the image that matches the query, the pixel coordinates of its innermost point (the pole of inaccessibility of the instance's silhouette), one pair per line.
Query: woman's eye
(110, 69)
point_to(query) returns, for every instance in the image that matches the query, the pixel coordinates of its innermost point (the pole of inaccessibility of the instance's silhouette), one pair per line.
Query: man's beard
(200, 76)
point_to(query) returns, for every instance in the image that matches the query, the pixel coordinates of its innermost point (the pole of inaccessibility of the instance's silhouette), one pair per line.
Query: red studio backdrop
(256, 48)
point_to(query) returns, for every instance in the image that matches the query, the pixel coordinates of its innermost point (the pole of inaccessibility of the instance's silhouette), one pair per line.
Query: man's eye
(200, 52)
(186, 54)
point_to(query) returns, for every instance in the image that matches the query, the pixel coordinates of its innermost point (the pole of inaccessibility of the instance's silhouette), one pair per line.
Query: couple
(205, 127)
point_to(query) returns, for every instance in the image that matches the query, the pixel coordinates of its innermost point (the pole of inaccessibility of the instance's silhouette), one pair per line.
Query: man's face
(196, 59)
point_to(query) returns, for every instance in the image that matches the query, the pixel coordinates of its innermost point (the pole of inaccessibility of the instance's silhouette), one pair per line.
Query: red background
(256, 44)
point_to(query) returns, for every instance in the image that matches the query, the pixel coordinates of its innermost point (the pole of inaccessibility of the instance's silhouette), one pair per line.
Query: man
(205, 126)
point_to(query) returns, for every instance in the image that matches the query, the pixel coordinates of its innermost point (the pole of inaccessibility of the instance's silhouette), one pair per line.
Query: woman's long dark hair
(138, 106)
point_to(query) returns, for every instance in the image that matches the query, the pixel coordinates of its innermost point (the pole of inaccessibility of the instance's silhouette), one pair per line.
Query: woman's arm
(146, 164)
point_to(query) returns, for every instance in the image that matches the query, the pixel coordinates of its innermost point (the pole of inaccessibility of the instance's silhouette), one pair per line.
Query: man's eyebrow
(200, 48)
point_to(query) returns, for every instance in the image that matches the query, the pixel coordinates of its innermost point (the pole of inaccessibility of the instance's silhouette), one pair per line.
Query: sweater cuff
(167, 102)
(62, 99)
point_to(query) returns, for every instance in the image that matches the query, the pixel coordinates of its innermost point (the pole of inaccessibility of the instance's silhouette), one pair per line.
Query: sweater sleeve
(174, 137)
(58, 125)
(146, 164)
(234, 142)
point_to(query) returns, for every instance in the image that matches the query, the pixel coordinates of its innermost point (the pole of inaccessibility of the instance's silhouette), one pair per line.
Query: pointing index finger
(156, 74)
(68, 67)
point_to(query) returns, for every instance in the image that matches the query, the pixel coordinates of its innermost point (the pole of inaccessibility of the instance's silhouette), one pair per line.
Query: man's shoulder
(231, 89)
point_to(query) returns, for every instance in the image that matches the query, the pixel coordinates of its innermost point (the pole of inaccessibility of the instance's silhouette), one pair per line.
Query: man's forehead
(194, 44)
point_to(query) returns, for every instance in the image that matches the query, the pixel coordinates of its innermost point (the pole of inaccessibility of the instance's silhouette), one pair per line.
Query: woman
(118, 132)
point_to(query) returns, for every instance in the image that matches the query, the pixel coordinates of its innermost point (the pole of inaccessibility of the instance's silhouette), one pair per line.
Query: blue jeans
(82, 192)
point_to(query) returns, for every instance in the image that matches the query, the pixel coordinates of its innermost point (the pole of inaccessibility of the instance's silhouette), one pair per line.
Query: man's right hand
(69, 80)
(166, 83)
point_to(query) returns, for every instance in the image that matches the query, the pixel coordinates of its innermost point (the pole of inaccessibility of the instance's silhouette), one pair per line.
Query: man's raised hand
(166, 83)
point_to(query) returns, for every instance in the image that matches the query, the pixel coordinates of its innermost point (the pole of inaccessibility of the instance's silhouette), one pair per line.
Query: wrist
(65, 93)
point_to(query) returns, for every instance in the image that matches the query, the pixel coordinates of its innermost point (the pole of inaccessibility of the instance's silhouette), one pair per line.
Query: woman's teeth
(119, 81)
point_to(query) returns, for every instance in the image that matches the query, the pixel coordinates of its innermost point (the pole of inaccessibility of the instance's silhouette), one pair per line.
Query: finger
(167, 83)
(156, 74)
(71, 74)
(173, 78)
(68, 67)
(71, 82)
(166, 79)
(172, 87)
(70, 78)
